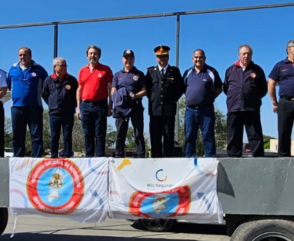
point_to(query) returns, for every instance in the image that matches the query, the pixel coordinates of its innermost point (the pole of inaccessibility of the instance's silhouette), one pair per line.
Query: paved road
(38, 228)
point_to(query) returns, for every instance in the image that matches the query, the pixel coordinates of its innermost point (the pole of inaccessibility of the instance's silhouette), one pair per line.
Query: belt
(194, 107)
(94, 101)
(287, 98)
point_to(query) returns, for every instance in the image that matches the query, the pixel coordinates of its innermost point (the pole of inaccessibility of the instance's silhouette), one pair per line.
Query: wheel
(3, 219)
(265, 230)
(158, 224)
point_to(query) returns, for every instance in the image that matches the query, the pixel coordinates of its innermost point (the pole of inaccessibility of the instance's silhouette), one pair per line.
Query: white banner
(76, 188)
(181, 188)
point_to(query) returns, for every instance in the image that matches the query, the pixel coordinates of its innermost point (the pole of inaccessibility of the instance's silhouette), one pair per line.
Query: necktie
(162, 72)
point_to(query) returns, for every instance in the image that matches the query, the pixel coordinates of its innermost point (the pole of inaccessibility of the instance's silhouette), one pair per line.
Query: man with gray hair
(244, 85)
(283, 74)
(59, 92)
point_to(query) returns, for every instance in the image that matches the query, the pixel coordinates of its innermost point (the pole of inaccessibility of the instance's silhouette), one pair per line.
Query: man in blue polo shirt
(203, 85)
(129, 83)
(59, 92)
(244, 85)
(25, 80)
(283, 74)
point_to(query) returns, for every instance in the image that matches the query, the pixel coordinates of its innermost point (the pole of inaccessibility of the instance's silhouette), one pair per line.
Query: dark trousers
(122, 125)
(235, 125)
(2, 119)
(66, 121)
(203, 118)
(162, 126)
(285, 124)
(94, 124)
(21, 117)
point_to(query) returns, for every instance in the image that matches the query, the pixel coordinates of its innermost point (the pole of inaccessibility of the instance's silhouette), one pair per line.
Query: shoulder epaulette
(3, 71)
(151, 67)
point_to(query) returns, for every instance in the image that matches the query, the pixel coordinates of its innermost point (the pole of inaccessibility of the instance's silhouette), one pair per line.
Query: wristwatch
(132, 94)
(275, 103)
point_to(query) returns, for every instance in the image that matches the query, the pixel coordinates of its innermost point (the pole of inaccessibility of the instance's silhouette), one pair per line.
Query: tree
(110, 137)
(7, 132)
(220, 129)
(266, 141)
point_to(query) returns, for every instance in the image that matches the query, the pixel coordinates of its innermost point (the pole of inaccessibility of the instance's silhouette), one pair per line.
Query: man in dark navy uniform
(283, 74)
(128, 85)
(164, 88)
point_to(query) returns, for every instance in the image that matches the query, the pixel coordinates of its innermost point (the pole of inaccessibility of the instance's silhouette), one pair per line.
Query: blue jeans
(94, 123)
(66, 120)
(203, 118)
(21, 117)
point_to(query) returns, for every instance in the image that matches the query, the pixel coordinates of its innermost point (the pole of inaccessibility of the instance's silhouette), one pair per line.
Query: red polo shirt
(94, 84)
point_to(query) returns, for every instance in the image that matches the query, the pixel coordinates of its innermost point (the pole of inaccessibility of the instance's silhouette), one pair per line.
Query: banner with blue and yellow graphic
(180, 188)
(73, 188)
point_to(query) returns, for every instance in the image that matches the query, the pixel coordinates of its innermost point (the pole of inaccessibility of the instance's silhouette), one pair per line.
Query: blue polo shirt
(283, 72)
(133, 81)
(200, 87)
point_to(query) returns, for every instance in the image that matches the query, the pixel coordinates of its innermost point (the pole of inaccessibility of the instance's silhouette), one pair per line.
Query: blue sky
(219, 34)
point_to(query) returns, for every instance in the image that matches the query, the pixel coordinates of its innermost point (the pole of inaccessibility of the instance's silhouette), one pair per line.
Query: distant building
(274, 146)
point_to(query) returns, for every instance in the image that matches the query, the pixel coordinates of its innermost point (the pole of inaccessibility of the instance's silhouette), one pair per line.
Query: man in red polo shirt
(92, 107)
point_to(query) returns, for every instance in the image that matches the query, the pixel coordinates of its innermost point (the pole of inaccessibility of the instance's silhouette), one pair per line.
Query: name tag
(170, 78)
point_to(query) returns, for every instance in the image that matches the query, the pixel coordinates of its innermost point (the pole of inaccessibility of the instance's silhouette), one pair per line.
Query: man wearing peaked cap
(164, 88)
(128, 89)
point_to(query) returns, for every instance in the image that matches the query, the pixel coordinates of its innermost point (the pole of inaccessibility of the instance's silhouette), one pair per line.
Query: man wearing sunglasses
(164, 88)
(283, 74)
(59, 92)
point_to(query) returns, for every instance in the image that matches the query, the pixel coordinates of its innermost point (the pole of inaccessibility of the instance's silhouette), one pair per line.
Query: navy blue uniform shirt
(133, 81)
(283, 72)
(200, 87)
(60, 95)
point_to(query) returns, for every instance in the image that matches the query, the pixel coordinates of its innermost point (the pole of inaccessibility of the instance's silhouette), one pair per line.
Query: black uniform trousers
(162, 126)
(285, 124)
(2, 118)
(235, 126)
(122, 125)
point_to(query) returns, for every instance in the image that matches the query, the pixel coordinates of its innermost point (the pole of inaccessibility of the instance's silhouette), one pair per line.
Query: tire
(265, 230)
(158, 224)
(3, 219)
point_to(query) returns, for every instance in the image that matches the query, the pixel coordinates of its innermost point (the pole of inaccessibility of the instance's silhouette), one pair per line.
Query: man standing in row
(283, 74)
(129, 84)
(203, 85)
(92, 107)
(59, 92)
(164, 88)
(3, 90)
(25, 80)
(244, 85)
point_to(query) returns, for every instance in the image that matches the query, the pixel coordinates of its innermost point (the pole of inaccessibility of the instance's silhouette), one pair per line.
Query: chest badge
(99, 75)
(205, 80)
(34, 74)
(253, 75)
(68, 87)
(135, 78)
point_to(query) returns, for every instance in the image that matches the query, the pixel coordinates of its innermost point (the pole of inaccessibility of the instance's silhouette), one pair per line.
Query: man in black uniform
(165, 86)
